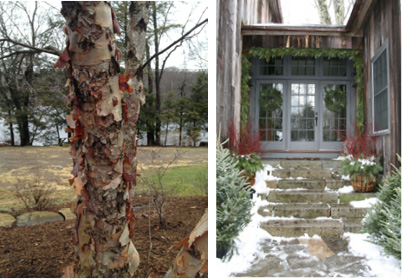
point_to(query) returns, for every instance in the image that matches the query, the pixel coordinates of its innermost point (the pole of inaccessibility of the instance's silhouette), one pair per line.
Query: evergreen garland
(245, 89)
(354, 55)
(232, 201)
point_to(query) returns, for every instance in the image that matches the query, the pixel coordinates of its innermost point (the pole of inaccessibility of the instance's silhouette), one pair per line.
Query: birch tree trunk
(138, 21)
(98, 117)
(323, 13)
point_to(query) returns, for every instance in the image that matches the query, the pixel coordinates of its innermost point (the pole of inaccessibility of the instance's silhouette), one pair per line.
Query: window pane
(303, 66)
(271, 111)
(334, 113)
(381, 111)
(334, 67)
(273, 68)
(380, 85)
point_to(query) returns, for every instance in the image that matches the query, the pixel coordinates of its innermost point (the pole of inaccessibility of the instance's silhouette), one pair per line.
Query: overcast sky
(181, 58)
(299, 12)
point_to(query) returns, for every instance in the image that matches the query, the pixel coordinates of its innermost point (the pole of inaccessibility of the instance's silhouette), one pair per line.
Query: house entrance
(302, 105)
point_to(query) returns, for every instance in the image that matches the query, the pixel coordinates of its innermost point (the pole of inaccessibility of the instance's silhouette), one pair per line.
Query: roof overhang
(273, 29)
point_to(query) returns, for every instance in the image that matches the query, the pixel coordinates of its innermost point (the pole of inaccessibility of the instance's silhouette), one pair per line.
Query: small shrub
(152, 177)
(36, 194)
(201, 183)
(245, 142)
(383, 221)
(244, 147)
(232, 202)
(361, 144)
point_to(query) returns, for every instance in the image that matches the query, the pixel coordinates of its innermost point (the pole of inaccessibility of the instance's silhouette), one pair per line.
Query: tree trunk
(167, 130)
(339, 9)
(150, 125)
(323, 12)
(12, 140)
(97, 120)
(157, 78)
(133, 100)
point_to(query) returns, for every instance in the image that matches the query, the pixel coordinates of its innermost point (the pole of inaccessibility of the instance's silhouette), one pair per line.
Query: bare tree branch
(172, 44)
(48, 49)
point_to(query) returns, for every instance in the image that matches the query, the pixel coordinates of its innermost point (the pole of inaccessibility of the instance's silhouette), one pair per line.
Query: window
(379, 69)
(334, 67)
(303, 66)
(272, 68)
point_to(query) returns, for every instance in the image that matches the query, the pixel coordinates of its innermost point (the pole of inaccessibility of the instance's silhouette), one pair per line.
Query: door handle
(316, 119)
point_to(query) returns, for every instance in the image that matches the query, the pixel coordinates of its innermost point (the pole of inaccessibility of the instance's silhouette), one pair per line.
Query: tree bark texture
(192, 260)
(102, 174)
(323, 13)
(132, 101)
(339, 8)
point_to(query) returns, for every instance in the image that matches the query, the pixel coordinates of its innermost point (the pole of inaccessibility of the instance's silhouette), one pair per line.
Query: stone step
(302, 197)
(315, 174)
(336, 184)
(353, 225)
(301, 210)
(347, 211)
(348, 197)
(301, 164)
(318, 185)
(312, 210)
(299, 227)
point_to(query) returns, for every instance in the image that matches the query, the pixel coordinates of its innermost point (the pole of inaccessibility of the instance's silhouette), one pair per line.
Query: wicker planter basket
(360, 186)
(250, 178)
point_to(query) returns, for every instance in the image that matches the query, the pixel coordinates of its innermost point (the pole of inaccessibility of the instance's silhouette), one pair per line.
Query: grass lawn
(177, 181)
(54, 164)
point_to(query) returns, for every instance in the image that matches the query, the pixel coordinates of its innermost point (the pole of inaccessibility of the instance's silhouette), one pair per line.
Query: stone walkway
(304, 203)
(307, 257)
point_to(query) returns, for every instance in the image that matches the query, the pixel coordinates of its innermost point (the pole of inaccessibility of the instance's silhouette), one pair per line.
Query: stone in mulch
(67, 214)
(37, 218)
(6, 220)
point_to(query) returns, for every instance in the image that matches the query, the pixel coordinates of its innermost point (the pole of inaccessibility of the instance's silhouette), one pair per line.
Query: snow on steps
(305, 201)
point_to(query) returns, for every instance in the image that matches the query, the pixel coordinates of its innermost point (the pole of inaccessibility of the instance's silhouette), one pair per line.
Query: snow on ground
(248, 241)
(364, 203)
(381, 265)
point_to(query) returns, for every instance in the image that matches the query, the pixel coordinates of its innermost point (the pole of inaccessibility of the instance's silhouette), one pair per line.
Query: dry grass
(55, 164)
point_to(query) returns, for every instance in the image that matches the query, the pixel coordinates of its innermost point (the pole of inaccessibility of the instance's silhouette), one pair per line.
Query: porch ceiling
(308, 36)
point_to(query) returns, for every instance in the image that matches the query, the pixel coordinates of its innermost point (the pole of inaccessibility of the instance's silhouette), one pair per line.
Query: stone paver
(6, 220)
(37, 218)
(293, 259)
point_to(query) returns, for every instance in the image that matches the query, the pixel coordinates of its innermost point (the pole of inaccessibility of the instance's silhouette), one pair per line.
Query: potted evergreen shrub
(362, 162)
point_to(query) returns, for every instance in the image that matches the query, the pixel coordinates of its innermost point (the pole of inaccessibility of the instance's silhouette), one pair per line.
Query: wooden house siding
(231, 14)
(382, 25)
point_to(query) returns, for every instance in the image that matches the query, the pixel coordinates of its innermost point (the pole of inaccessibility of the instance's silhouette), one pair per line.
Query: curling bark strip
(102, 231)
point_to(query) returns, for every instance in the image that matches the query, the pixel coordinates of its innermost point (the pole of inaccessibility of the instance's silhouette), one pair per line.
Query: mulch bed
(43, 250)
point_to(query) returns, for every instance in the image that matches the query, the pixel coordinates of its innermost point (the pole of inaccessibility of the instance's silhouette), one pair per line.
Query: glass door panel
(302, 112)
(334, 100)
(271, 112)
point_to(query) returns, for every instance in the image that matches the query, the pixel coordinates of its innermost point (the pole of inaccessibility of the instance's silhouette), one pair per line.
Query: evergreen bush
(232, 202)
(383, 221)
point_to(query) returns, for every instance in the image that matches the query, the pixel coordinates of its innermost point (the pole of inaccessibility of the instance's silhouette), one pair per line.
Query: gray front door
(302, 104)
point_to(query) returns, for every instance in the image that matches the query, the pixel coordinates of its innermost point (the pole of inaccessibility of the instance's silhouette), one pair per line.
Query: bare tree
(340, 12)
(323, 13)
(97, 121)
